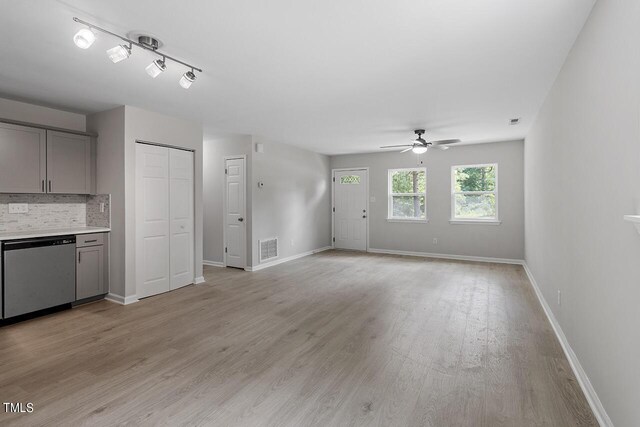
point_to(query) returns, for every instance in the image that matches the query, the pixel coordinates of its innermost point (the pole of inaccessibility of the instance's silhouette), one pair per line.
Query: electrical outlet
(559, 297)
(17, 208)
(435, 240)
(101, 207)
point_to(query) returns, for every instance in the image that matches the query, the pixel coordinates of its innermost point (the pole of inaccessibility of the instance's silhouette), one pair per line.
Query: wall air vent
(515, 121)
(268, 249)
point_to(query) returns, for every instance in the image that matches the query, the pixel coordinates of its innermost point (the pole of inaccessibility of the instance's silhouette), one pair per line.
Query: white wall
(214, 151)
(143, 125)
(582, 174)
(21, 111)
(295, 202)
(109, 125)
(498, 241)
(118, 131)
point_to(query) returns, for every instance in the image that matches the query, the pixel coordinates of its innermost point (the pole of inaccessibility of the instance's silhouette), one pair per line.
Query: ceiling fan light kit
(420, 145)
(85, 37)
(420, 149)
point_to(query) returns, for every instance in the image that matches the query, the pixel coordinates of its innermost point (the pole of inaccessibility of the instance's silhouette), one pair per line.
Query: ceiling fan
(420, 146)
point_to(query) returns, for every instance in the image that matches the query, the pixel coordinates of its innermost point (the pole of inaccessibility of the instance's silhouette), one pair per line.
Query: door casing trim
(333, 202)
(224, 208)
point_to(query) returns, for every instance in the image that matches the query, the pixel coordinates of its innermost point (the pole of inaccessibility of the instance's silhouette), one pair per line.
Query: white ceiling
(333, 76)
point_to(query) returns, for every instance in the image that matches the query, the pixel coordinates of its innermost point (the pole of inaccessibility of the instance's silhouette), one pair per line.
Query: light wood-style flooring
(333, 339)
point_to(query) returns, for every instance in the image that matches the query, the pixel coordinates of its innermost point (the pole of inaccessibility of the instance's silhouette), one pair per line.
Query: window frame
(466, 220)
(390, 195)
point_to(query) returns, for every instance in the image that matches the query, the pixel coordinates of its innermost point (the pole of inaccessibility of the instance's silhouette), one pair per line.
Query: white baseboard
(287, 259)
(199, 280)
(213, 263)
(581, 375)
(448, 256)
(119, 299)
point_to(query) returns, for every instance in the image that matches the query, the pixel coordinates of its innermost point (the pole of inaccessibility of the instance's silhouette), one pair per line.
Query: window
(474, 193)
(350, 179)
(408, 194)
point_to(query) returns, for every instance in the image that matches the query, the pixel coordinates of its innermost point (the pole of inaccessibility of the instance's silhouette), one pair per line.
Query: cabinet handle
(91, 241)
(49, 186)
(43, 185)
(79, 257)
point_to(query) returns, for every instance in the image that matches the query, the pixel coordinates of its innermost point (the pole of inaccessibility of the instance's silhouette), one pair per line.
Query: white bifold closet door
(164, 219)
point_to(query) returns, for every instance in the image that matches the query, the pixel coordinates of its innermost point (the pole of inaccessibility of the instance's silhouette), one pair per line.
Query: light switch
(15, 208)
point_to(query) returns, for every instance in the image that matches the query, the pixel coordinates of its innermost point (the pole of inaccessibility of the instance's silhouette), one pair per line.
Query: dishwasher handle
(11, 245)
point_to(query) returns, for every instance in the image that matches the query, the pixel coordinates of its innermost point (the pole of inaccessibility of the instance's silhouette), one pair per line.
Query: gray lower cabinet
(23, 156)
(91, 275)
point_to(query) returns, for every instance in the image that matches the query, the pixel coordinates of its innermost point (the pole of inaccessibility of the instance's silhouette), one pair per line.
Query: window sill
(407, 220)
(475, 221)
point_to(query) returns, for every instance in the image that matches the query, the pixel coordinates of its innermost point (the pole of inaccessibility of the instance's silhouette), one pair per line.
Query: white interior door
(350, 201)
(164, 219)
(181, 217)
(152, 220)
(235, 241)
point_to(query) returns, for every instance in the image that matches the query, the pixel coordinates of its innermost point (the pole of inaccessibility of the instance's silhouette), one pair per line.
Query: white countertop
(11, 235)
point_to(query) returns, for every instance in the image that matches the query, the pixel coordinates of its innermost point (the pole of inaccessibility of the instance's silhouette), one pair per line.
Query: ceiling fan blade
(407, 149)
(396, 146)
(442, 147)
(445, 141)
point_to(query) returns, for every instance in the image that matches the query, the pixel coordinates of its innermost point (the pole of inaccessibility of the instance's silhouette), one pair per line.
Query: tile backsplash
(47, 211)
(97, 217)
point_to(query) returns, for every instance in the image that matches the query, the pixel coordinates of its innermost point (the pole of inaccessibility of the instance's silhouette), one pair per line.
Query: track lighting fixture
(119, 53)
(155, 68)
(85, 37)
(187, 78)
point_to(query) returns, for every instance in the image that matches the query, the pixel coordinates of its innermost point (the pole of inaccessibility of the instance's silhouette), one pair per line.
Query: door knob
(240, 219)
(364, 216)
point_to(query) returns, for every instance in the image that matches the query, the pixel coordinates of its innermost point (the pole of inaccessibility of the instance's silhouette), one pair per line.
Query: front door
(235, 252)
(350, 201)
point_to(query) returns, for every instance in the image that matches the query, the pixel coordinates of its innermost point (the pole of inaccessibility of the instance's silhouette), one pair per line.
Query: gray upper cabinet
(34, 160)
(23, 165)
(68, 163)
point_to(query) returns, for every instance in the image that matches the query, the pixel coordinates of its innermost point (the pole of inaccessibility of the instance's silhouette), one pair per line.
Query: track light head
(155, 68)
(84, 38)
(119, 53)
(187, 78)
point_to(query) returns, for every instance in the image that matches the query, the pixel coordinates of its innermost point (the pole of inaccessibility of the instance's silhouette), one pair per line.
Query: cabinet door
(68, 163)
(89, 272)
(22, 159)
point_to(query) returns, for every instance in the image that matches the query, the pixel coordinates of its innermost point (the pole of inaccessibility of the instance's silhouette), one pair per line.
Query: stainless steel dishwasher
(37, 274)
